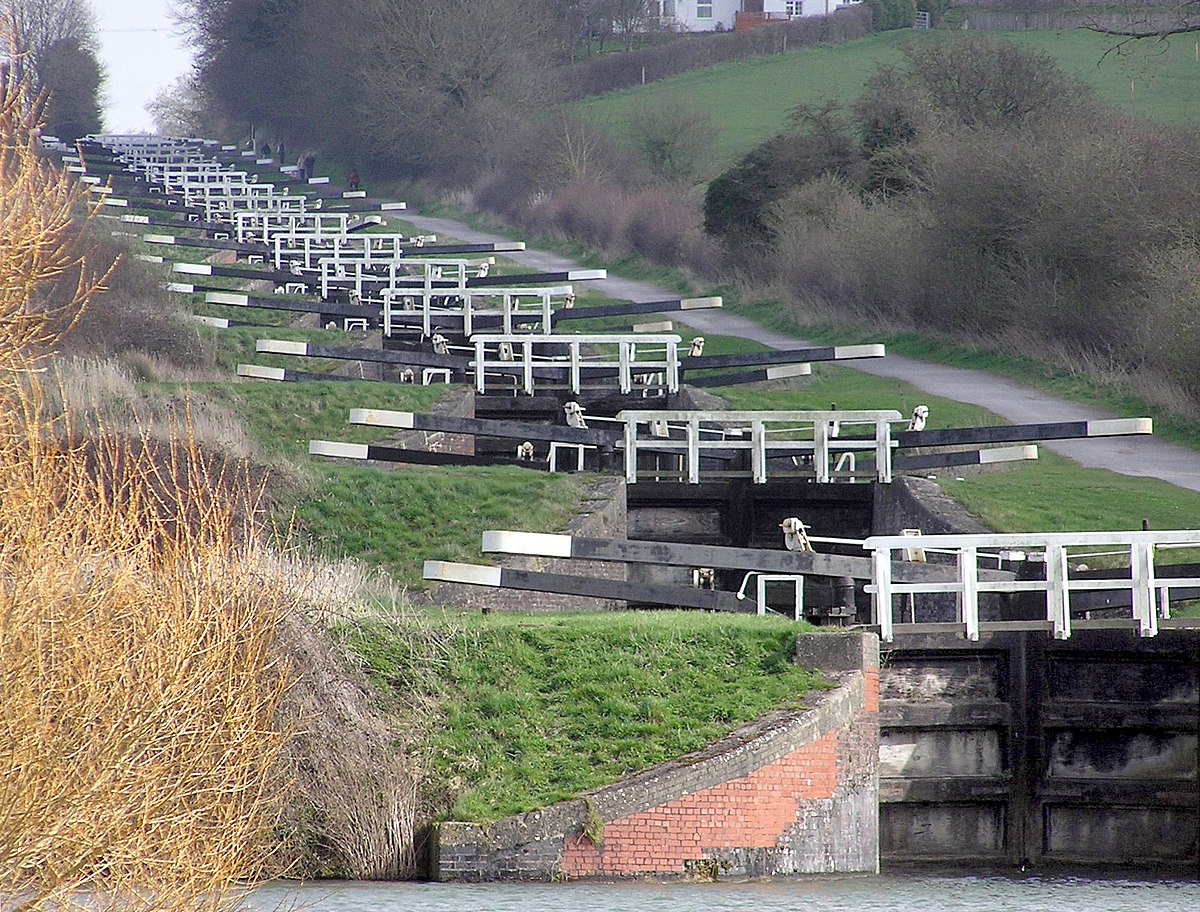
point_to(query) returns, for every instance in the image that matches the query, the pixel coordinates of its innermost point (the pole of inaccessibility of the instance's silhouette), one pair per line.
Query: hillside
(749, 100)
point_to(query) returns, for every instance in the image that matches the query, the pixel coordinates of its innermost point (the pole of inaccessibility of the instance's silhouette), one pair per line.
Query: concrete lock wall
(1023, 749)
(792, 793)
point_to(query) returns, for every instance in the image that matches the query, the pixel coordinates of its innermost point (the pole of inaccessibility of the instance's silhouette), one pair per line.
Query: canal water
(887, 893)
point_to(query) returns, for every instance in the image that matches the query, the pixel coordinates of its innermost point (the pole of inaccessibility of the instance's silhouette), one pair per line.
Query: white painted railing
(1149, 595)
(803, 434)
(467, 305)
(262, 226)
(310, 248)
(635, 355)
(445, 275)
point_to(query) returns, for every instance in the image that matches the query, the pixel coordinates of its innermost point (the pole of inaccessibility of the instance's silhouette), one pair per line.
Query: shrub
(587, 211)
(548, 156)
(131, 315)
(673, 140)
(138, 730)
(658, 226)
(982, 82)
(892, 14)
(737, 201)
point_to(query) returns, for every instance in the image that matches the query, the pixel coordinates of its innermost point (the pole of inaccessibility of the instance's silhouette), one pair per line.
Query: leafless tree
(70, 76)
(1155, 21)
(184, 109)
(628, 18)
(34, 26)
(443, 79)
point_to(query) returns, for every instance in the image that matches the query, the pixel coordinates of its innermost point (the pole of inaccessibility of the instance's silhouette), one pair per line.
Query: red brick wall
(871, 690)
(751, 812)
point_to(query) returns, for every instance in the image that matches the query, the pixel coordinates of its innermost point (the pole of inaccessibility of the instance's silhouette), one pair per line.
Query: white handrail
(1149, 594)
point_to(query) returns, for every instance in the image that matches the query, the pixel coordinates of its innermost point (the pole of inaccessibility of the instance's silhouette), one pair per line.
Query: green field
(749, 100)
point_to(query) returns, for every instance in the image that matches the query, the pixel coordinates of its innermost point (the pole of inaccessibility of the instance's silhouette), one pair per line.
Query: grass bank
(390, 516)
(536, 709)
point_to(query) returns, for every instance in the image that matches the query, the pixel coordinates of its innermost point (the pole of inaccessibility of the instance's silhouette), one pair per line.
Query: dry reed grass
(105, 392)
(139, 618)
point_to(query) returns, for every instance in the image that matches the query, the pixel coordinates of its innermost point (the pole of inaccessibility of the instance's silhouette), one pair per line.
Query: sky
(142, 53)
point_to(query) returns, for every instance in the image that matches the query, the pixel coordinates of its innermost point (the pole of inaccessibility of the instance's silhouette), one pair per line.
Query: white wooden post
(968, 594)
(758, 451)
(821, 451)
(881, 598)
(1145, 613)
(883, 452)
(575, 376)
(631, 449)
(480, 382)
(1058, 599)
(527, 351)
(693, 450)
(672, 367)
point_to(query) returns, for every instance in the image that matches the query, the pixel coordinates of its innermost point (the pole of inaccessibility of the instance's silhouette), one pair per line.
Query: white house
(698, 15)
(714, 15)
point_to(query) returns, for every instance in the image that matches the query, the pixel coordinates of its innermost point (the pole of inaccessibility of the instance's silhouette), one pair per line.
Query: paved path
(1136, 456)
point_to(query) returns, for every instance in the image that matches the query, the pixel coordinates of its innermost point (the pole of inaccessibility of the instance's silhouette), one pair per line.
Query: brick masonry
(792, 793)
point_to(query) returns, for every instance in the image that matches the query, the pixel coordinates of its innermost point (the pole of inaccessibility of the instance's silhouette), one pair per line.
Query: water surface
(888, 893)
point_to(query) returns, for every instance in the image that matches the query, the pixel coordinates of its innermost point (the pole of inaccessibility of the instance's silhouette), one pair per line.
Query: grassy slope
(539, 708)
(393, 517)
(749, 100)
(530, 710)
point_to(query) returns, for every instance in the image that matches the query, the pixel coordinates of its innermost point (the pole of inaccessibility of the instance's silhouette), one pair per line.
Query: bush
(140, 723)
(737, 202)
(132, 316)
(548, 156)
(586, 211)
(674, 141)
(659, 224)
(892, 14)
(982, 82)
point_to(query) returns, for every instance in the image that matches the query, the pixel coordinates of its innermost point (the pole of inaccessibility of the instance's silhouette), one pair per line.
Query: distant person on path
(282, 153)
(300, 166)
(310, 163)
(353, 179)
(265, 151)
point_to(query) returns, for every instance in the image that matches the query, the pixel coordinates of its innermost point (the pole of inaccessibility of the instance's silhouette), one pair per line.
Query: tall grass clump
(142, 688)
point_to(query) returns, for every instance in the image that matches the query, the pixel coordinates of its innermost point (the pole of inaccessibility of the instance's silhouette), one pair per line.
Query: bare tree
(184, 109)
(70, 76)
(675, 140)
(628, 18)
(1151, 20)
(34, 26)
(445, 78)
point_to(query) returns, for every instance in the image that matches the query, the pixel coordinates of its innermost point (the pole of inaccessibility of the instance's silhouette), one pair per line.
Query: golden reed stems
(140, 684)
